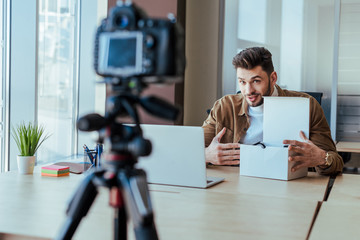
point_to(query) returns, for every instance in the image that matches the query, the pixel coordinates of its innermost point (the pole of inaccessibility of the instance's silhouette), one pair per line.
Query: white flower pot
(26, 164)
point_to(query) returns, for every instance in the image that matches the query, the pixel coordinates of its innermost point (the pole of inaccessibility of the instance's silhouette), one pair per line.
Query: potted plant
(28, 138)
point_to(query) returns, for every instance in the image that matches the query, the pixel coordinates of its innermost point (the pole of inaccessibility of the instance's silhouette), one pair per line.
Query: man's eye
(242, 82)
(257, 81)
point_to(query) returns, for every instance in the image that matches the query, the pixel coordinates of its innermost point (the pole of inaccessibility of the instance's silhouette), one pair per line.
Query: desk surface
(346, 188)
(214, 215)
(34, 205)
(348, 147)
(312, 187)
(337, 220)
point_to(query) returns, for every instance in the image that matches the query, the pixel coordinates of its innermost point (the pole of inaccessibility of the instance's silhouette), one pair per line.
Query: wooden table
(202, 214)
(312, 187)
(336, 221)
(346, 188)
(338, 218)
(353, 147)
(35, 205)
(241, 207)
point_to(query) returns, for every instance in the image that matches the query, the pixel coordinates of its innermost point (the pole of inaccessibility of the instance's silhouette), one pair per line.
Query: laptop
(177, 157)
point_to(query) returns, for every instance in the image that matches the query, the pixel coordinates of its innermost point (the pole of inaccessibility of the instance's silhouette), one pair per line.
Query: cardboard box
(269, 162)
(284, 118)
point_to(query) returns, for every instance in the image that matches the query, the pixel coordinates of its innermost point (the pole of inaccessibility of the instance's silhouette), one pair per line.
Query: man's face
(255, 83)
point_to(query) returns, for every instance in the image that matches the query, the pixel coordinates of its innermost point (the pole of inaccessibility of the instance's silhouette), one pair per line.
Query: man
(236, 119)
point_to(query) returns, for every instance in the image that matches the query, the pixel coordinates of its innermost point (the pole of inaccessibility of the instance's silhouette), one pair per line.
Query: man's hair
(253, 57)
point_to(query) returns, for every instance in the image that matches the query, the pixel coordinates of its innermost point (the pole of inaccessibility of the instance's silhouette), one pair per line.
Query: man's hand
(222, 154)
(305, 154)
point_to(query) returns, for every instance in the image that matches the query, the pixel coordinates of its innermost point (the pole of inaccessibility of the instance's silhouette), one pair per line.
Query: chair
(316, 95)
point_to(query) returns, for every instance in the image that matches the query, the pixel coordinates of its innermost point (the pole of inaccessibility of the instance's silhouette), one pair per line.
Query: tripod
(129, 194)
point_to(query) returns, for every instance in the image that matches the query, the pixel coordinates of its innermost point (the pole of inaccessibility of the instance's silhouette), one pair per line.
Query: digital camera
(130, 44)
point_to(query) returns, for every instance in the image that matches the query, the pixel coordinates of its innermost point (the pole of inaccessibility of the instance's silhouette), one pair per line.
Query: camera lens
(122, 21)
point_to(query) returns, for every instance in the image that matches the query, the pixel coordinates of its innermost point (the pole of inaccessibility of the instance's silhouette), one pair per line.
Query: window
(348, 95)
(1, 88)
(49, 83)
(4, 133)
(57, 76)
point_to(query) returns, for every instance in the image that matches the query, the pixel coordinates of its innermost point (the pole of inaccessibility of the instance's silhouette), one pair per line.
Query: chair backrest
(316, 95)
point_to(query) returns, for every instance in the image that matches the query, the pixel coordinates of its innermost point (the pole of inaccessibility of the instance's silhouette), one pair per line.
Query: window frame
(5, 22)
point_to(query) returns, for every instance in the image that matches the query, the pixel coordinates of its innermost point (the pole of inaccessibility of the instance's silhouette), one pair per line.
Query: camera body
(129, 44)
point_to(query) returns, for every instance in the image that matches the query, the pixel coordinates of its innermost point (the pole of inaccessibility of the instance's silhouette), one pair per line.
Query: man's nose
(248, 89)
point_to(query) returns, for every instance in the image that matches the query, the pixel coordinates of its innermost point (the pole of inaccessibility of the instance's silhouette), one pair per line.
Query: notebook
(177, 157)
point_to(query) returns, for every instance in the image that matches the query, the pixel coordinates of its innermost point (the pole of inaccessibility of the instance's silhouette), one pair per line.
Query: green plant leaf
(28, 138)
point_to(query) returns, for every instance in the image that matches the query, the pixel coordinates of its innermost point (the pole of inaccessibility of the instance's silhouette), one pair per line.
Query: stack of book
(55, 171)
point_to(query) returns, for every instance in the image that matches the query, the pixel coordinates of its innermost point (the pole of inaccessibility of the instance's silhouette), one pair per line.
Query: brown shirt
(231, 112)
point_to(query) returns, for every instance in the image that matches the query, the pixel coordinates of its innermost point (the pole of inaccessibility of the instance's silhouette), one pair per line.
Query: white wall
(291, 44)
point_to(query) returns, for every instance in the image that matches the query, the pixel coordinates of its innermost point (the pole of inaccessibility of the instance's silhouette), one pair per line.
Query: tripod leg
(120, 224)
(137, 202)
(120, 218)
(78, 207)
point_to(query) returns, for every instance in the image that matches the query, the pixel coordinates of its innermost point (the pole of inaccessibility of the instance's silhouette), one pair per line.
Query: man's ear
(273, 78)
